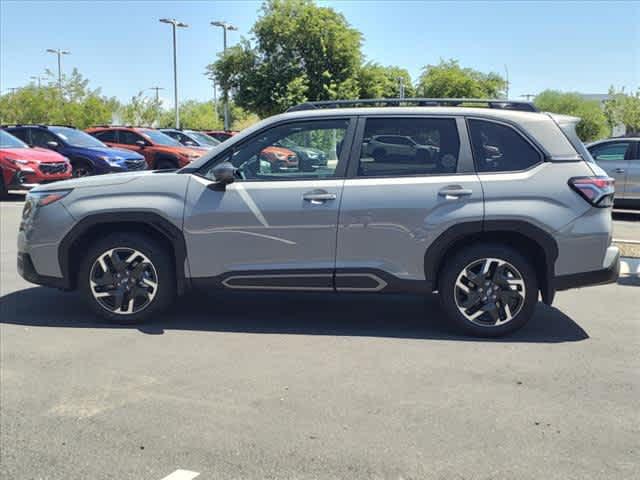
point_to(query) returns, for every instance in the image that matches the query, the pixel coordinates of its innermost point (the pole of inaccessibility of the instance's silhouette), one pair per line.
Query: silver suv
(507, 206)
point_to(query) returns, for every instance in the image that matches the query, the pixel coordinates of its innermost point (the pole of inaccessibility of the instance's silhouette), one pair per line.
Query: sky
(121, 47)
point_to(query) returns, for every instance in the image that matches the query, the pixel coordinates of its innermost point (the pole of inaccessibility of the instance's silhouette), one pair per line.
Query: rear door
(614, 158)
(395, 206)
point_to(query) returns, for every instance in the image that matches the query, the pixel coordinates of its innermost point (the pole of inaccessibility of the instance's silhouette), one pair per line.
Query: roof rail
(419, 102)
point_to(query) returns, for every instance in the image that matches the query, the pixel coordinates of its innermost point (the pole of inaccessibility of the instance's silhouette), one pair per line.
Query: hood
(109, 152)
(97, 180)
(41, 155)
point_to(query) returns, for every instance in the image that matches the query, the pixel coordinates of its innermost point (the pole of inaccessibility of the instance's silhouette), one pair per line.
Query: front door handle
(620, 170)
(454, 191)
(319, 196)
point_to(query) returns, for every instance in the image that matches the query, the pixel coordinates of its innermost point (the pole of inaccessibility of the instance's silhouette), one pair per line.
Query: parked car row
(35, 154)
(112, 149)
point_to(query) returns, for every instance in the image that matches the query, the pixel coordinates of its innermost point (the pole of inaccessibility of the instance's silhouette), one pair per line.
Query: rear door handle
(454, 191)
(620, 170)
(319, 196)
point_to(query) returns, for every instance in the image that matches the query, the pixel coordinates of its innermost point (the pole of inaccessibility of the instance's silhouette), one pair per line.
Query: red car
(22, 167)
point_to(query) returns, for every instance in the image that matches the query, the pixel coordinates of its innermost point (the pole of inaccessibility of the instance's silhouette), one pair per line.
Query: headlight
(111, 160)
(313, 155)
(41, 199)
(280, 156)
(17, 161)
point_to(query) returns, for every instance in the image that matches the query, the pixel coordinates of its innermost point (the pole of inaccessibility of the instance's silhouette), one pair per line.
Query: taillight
(598, 191)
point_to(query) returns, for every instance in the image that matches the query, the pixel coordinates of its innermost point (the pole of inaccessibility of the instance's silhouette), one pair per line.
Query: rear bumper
(29, 273)
(608, 274)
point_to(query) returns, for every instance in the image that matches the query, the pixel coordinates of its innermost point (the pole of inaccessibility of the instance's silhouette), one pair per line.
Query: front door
(394, 206)
(274, 227)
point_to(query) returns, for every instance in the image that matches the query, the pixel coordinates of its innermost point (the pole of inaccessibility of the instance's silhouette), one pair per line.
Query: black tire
(450, 295)
(160, 260)
(81, 168)
(165, 164)
(4, 193)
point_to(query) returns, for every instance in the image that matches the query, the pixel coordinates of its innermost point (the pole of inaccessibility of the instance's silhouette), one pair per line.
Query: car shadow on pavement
(394, 316)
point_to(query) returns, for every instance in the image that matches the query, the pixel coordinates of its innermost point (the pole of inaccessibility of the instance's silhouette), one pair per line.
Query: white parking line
(182, 475)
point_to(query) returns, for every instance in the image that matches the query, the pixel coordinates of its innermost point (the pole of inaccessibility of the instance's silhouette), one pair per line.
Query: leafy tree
(79, 105)
(141, 110)
(593, 123)
(449, 80)
(195, 115)
(623, 108)
(377, 81)
(301, 52)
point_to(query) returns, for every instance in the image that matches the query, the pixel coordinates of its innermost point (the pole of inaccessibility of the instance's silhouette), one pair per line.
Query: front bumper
(608, 274)
(28, 272)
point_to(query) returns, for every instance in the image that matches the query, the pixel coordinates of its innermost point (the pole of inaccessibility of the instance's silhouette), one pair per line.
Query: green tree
(378, 81)
(141, 110)
(78, 105)
(302, 52)
(194, 115)
(449, 80)
(593, 123)
(623, 108)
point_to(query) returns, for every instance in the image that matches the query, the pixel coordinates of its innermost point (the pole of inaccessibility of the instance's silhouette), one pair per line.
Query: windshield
(9, 141)
(76, 138)
(160, 138)
(203, 139)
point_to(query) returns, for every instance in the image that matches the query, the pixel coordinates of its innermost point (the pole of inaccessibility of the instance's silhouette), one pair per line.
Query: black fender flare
(149, 219)
(435, 253)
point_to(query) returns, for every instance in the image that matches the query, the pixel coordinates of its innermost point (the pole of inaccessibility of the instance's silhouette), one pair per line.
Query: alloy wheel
(123, 281)
(489, 292)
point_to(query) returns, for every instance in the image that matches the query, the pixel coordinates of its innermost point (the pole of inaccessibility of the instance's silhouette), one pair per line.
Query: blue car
(88, 155)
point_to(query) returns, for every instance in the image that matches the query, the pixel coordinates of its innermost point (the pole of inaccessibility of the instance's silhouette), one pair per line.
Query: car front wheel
(488, 290)
(127, 278)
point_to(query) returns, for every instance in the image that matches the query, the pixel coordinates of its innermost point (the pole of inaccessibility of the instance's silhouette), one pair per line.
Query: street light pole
(38, 79)
(174, 23)
(401, 90)
(59, 53)
(225, 26)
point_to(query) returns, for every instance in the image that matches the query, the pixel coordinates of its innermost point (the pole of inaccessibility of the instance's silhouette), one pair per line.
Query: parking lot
(277, 386)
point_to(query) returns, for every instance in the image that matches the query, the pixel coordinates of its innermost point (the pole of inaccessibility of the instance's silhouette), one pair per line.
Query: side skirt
(342, 280)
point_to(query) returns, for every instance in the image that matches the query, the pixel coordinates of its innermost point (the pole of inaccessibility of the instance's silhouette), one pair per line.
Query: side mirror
(52, 145)
(141, 143)
(224, 173)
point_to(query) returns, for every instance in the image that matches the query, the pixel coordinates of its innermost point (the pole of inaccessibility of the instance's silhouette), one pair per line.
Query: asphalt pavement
(307, 386)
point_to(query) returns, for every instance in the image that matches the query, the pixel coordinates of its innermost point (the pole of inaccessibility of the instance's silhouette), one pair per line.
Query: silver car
(508, 207)
(620, 158)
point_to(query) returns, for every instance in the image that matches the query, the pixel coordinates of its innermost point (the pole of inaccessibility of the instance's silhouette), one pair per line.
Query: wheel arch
(532, 241)
(100, 224)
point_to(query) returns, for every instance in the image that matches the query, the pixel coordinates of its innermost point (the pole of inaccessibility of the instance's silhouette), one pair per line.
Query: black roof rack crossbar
(419, 102)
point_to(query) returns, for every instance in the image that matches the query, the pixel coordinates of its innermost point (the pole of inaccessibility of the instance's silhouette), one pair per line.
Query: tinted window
(296, 150)
(21, 133)
(499, 148)
(40, 137)
(610, 151)
(128, 137)
(10, 141)
(160, 138)
(109, 136)
(409, 146)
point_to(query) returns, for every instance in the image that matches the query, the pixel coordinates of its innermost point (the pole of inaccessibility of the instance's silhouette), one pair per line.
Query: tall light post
(157, 89)
(174, 23)
(401, 88)
(59, 53)
(225, 26)
(215, 95)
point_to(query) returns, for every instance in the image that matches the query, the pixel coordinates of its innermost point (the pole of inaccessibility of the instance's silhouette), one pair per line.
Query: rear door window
(500, 148)
(107, 136)
(22, 134)
(408, 147)
(40, 137)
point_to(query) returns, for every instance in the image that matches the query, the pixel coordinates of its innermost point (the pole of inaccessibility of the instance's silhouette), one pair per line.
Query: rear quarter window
(500, 148)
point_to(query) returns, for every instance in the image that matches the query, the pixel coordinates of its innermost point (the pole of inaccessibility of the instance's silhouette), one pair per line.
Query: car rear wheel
(488, 290)
(127, 278)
